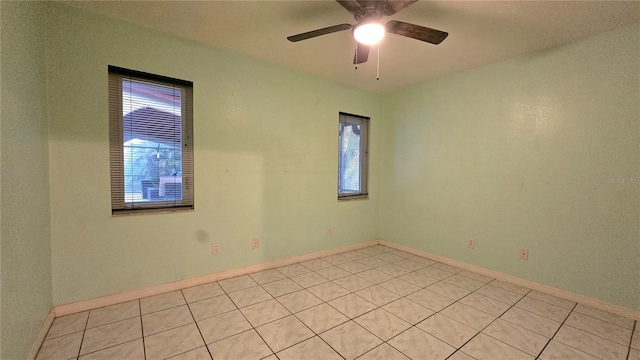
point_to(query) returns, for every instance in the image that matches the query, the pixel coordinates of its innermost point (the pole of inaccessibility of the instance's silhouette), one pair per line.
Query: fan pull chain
(356, 55)
(378, 69)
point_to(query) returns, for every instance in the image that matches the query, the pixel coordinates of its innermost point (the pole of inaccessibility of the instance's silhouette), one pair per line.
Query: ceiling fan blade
(361, 55)
(351, 5)
(393, 6)
(319, 32)
(417, 32)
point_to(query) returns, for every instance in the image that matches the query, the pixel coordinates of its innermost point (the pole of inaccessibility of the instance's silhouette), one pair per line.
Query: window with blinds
(353, 157)
(151, 142)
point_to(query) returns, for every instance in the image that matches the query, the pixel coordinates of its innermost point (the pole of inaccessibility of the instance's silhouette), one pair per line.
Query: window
(353, 156)
(151, 142)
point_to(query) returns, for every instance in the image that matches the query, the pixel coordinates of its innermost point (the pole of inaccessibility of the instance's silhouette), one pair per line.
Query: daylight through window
(353, 156)
(151, 141)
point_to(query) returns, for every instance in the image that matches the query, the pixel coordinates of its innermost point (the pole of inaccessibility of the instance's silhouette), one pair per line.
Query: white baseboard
(33, 352)
(568, 295)
(99, 302)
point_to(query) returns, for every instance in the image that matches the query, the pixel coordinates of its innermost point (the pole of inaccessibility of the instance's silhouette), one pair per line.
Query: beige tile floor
(373, 303)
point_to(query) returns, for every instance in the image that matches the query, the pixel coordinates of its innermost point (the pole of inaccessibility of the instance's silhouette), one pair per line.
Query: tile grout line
(197, 326)
(83, 333)
(633, 332)
(144, 348)
(558, 330)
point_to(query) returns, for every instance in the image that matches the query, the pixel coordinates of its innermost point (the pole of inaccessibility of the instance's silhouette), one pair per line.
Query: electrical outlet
(329, 232)
(255, 243)
(524, 254)
(215, 249)
(471, 243)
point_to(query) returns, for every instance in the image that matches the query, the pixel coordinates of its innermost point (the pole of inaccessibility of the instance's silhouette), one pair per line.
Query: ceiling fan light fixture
(369, 33)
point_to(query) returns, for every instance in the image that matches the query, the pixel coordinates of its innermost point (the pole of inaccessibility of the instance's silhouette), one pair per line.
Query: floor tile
(418, 279)
(200, 353)
(267, 276)
(249, 296)
(353, 283)
(464, 282)
(422, 260)
(264, 312)
(354, 267)
(448, 290)
(402, 254)
(382, 323)
(309, 279)
(475, 276)
(224, 325)
(543, 309)
(328, 291)
(553, 300)
(600, 327)
(202, 292)
(132, 350)
(383, 352)
(590, 344)
(350, 340)
(400, 287)
(447, 330)
(604, 315)
(531, 321)
(352, 305)
(354, 255)
(417, 344)
(394, 270)
(299, 300)
(237, 283)
(321, 318)
(431, 300)
(447, 267)
(510, 287)
(484, 347)
(499, 294)
(172, 342)
(111, 334)
(293, 270)
(316, 264)
(378, 295)
(281, 287)
(410, 264)
(61, 347)
(468, 316)
(166, 319)
(211, 307)
(311, 349)
(389, 257)
(373, 262)
(635, 341)
(408, 311)
(516, 336)
(634, 354)
(435, 273)
(559, 351)
(375, 276)
(112, 313)
(246, 345)
(284, 333)
(68, 324)
(486, 304)
(336, 259)
(459, 355)
(375, 250)
(333, 273)
(161, 302)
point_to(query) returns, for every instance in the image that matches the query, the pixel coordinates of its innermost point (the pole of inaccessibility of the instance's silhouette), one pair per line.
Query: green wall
(265, 162)
(538, 152)
(25, 260)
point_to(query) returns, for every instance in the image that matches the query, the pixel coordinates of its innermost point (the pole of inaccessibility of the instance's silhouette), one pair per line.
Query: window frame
(364, 123)
(119, 205)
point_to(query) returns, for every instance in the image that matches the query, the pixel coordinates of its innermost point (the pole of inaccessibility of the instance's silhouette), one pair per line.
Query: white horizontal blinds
(151, 121)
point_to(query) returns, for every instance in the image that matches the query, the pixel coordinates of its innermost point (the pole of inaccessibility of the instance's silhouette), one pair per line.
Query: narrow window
(353, 154)
(151, 142)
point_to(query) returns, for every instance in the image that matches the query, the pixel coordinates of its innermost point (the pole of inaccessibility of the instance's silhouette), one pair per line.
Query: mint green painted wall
(25, 261)
(538, 152)
(265, 162)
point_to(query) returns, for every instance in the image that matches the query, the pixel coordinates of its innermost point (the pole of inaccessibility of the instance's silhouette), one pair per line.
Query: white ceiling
(480, 32)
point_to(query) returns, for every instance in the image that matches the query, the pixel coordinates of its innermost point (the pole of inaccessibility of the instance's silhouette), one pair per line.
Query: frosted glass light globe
(369, 33)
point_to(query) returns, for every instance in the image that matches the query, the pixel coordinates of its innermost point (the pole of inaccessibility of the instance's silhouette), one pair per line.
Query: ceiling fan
(369, 30)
